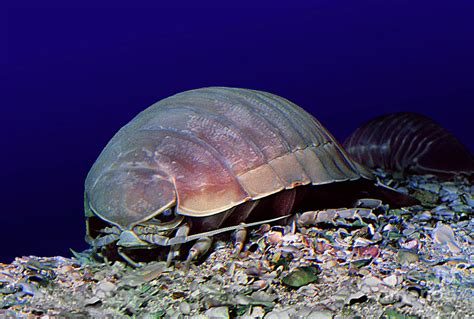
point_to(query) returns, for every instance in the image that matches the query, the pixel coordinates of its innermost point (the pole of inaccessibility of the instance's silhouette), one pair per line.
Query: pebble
(259, 284)
(391, 280)
(308, 312)
(274, 237)
(430, 187)
(106, 286)
(184, 308)
(240, 277)
(27, 288)
(443, 234)
(468, 199)
(217, 313)
(424, 216)
(319, 314)
(372, 281)
(256, 312)
(279, 314)
(253, 281)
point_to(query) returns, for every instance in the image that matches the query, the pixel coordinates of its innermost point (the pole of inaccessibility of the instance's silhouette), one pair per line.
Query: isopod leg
(239, 215)
(293, 222)
(181, 235)
(240, 235)
(198, 249)
(127, 258)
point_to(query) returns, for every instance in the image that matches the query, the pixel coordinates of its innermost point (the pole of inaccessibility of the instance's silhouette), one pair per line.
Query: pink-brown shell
(208, 150)
(409, 142)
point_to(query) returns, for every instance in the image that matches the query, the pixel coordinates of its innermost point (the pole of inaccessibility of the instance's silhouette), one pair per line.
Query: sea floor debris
(414, 262)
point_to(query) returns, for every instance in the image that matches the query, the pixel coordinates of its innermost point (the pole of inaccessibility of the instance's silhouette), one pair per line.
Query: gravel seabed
(415, 262)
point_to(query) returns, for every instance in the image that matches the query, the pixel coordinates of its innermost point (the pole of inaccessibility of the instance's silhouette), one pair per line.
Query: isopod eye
(167, 212)
(166, 216)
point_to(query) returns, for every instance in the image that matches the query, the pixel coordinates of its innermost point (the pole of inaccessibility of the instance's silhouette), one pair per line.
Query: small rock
(372, 281)
(443, 234)
(319, 314)
(106, 286)
(257, 312)
(184, 308)
(262, 296)
(406, 257)
(240, 277)
(280, 314)
(301, 276)
(92, 301)
(307, 312)
(356, 297)
(468, 199)
(274, 237)
(259, 284)
(391, 280)
(217, 312)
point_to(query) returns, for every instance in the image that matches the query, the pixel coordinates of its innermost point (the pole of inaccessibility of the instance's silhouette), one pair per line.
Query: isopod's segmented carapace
(409, 142)
(210, 158)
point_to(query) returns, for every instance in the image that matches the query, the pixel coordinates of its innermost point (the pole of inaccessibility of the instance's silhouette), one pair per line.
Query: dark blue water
(75, 75)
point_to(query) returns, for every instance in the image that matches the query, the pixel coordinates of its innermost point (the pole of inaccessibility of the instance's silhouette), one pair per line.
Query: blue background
(74, 75)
